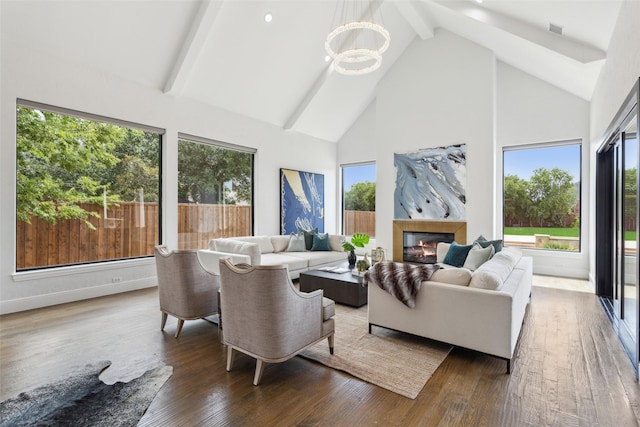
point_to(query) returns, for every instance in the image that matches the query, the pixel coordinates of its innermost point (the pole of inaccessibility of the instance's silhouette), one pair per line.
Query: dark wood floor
(570, 370)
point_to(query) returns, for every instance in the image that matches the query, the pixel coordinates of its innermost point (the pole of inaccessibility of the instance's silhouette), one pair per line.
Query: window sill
(24, 276)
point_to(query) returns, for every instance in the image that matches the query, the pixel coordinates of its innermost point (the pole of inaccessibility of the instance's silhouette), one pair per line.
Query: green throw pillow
(482, 241)
(296, 243)
(457, 254)
(320, 242)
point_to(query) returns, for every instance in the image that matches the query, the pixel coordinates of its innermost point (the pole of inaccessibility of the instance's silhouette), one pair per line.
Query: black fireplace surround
(420, 246)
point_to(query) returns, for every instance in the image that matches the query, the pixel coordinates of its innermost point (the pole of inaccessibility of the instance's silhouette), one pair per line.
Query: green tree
(630, 185)
(65, 161)
(210, 174)
(139, 166)
(553, 196)
(361, 197)
(516, 200)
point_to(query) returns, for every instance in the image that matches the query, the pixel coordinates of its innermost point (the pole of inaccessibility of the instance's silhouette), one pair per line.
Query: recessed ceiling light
(327, 58)
(268, 17)
(479, 1)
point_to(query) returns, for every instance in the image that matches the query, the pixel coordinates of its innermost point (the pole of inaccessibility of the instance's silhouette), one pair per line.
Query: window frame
(227, 146)
(48, 271)
(541, 145)
(342, 189)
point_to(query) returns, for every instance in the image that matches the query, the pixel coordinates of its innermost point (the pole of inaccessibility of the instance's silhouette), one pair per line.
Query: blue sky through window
(360, 173)
(523, 163)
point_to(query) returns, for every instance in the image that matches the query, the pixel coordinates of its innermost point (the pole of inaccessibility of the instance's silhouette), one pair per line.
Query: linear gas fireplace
(420, 246)
(415, 241)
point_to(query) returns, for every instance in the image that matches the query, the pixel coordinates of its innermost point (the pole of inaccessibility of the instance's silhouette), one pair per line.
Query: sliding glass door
(626, 285)
(617, 267)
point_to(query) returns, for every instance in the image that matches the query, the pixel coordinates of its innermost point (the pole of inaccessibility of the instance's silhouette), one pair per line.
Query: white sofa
(481, 310)
(270, 250)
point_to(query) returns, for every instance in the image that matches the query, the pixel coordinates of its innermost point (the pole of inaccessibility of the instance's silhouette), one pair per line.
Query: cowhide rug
(84, 400)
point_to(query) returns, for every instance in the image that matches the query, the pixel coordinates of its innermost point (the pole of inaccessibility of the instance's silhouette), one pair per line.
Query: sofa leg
(331, 339)
(369, 327)
(508, 366)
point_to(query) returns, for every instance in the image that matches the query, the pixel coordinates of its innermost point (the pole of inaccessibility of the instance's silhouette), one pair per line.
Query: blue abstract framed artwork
(301, 201)
(431, 183)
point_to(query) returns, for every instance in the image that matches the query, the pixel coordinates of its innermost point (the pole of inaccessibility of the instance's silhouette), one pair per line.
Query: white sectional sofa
(270, 250)
(481, 310)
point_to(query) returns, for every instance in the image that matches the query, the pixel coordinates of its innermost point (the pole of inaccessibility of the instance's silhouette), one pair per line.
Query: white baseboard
(46, 300)
(572, 273)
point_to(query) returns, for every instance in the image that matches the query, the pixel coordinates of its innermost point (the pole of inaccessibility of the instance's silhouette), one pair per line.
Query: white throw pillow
(441, 251)
(335, 242)
(280, 243)
(263, 241)
(478, 256)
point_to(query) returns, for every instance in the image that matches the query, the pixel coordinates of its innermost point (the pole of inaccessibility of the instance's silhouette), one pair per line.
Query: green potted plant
(357, 240)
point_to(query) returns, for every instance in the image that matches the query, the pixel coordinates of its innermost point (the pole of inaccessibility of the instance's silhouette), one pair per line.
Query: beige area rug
(399, 362)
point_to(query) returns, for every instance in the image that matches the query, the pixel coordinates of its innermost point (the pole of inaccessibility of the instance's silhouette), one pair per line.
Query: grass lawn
(530, 231)
(558, 232)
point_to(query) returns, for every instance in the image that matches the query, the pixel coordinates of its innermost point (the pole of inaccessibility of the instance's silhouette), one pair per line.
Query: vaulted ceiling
(224, 54)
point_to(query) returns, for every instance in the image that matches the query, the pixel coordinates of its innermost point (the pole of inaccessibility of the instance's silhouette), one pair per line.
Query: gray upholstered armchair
(187, 291)
(266, 317)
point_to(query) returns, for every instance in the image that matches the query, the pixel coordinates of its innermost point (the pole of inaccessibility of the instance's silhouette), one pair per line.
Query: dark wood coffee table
(343, 288)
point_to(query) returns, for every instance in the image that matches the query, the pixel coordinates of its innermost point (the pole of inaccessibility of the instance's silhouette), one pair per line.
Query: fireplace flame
(427, 248)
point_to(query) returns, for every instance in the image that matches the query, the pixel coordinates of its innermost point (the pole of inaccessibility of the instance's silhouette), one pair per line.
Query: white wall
(620, 71)
(440, 92)
(448, 90)
(530, 110)
(38, 76)
(618, 75)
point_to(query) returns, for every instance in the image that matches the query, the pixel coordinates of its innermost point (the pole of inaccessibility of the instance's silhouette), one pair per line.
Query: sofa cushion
(478, 255)
(457, 254)
(263, 241)
(280, 243)
(320, 242)
(492, 274)
(285, 258)
(314, 259)
(514, 254)
(240, 247)
(441, 251)
(296, 243)
(452, 276)
(308, 237)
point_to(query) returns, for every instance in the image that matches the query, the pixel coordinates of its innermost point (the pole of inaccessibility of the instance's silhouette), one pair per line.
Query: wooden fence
(197, 224)
(360, 222)
(131, 230)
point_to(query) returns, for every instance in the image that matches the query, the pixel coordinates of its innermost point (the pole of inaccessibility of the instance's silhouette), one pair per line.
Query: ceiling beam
(308, 97)
(192, 46)
(574, 49)
(417, 17)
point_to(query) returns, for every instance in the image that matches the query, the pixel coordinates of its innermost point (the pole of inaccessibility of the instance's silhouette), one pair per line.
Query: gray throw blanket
(399, 279)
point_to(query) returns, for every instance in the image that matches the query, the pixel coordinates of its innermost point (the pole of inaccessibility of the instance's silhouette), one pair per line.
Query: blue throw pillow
(308, 237)
(320, 242)
(457, 254)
